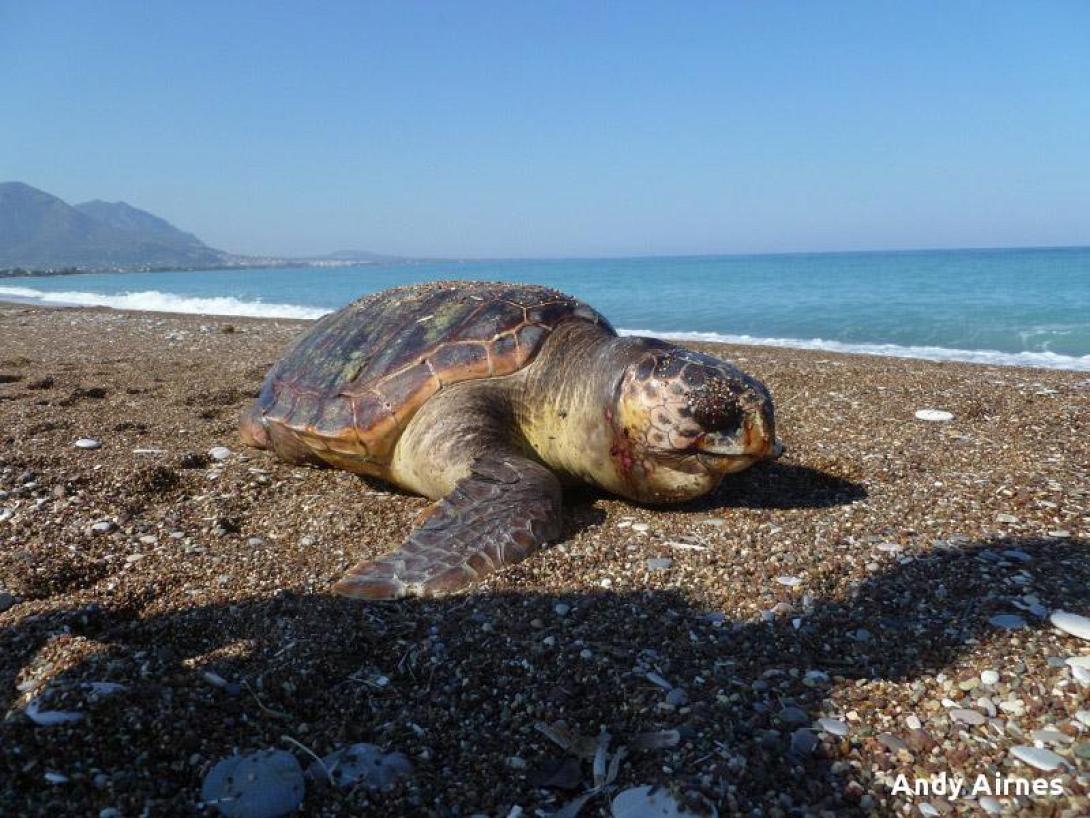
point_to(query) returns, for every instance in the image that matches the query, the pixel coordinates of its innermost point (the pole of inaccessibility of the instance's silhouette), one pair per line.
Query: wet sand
(852, 580)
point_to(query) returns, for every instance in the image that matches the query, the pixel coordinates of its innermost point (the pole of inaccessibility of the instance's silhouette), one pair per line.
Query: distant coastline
(21, 272)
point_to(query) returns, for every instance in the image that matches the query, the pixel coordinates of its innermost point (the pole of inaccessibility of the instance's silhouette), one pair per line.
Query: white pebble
(367, 765)
(790, 582)
(1038, 757)
(1071, 623)
(87, 443)
(659, 564)
(834, 727)
(934, 415)
(989, 677)
(641, 527)
(219, 452)
(651, 802)
(47, 718)
(967, 716)
(264, 784)
(913, 723)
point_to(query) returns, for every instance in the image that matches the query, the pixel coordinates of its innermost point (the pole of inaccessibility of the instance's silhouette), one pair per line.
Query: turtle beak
(748, 445)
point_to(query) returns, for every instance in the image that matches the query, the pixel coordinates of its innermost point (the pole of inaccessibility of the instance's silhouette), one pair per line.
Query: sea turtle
(487, 397)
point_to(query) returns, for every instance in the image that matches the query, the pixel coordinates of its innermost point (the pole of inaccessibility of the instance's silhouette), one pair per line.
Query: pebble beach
(902, 598)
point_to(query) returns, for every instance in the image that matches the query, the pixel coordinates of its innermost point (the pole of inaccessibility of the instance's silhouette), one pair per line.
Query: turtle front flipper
(504, 510)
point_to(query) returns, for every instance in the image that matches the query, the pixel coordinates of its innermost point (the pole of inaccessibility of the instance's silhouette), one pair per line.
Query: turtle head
(684, 419)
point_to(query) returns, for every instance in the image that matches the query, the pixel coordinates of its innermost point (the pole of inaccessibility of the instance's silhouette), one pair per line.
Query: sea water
(1027, 307)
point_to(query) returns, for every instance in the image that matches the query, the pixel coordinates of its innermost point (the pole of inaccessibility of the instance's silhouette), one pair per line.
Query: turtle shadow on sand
(781, 485)
(770, 485)
(459, 685)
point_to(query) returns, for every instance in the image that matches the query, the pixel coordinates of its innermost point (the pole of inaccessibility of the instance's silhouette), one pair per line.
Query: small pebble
(104, 527)
(803, 741)
(87, 443)
(834, 727)
(641, 527)
(1071, 623)
(934, 415)
(659, 564)
(677, 697)
(1051, 736)
(1037, 757)
(789, 581)
(265, 784)
(219, 452)
(793, 716)
(967, 716)
(1007, 621)
(370, 766)
(561, 608)
(989, 677)
(651, 802)
(894, 743)
(6, 601)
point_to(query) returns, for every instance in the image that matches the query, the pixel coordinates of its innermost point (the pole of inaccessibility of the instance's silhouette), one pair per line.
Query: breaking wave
(1045, 360)
(155, 301)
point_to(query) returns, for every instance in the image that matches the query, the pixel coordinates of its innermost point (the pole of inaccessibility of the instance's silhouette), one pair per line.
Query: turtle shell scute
(373, 364)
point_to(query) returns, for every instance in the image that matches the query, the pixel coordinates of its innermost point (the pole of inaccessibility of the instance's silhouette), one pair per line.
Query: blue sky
(554, 129)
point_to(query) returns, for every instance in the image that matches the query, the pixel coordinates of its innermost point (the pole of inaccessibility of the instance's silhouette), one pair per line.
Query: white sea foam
(155, 301)
(1045, 360)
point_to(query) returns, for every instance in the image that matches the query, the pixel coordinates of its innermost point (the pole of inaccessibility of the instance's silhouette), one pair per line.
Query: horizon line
(732, 254)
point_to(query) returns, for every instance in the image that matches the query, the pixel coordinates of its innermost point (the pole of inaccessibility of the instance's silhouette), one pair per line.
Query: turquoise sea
(1027, 307)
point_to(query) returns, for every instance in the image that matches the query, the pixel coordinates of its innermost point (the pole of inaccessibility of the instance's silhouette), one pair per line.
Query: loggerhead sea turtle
(486, 397)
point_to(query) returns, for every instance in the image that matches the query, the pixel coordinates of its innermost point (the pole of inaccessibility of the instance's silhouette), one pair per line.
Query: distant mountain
(38, 230)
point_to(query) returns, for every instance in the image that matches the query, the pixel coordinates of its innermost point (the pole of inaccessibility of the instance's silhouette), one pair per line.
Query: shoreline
(1019, 360)
(829, 621)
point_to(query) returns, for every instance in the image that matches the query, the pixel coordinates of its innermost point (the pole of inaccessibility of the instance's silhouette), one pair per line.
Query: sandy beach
(858, 581)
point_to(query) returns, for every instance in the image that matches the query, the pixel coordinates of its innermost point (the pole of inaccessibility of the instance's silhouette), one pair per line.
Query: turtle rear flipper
(504, 510)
